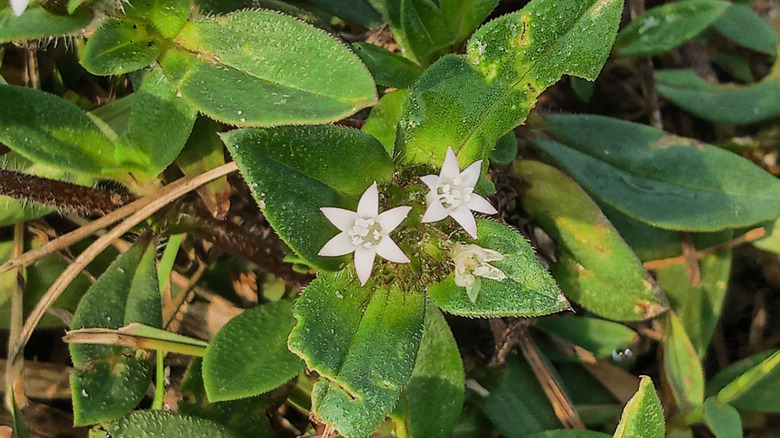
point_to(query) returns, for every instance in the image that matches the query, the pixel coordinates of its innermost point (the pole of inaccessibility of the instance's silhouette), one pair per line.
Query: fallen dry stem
(14, 376)
(158, 200)
(750, 236)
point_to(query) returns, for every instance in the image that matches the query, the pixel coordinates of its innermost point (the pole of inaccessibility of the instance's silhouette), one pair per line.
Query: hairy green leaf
(119, 47)
(468, 103)
(249, 355)
(595, 267)
(362, 341)
(643, 416)
(527, 290)
(262, 68)
(160, 424)
(667, 181)
(382, 121)
(110, 380)
(37, 23)
(294, 171)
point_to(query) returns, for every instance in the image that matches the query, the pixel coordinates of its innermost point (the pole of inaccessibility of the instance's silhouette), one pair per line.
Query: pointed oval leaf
(755, 390)
(294, 171)
(158, 126)
(595, 268)
(263, 68)
(249, 355)
(426, 30)
(38, 23)
(643, 416)
(161, 424)
(598, 336)
(682, 368)
(362, 341)
(468, 103)
(389, 69)
(170, 16)
(111, 380)
(382, 121)
(732, 104)
(463, 16)
(699, 306)
(119, 47)
(742, 25)
(667, 181)
(665, 27)
(433, 398)
(722, 419)
(47, 129)
(528, 290)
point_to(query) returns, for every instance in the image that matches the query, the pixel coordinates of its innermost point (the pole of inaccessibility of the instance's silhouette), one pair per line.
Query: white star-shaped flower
(19, 6)
(452, 194)
(365, 232)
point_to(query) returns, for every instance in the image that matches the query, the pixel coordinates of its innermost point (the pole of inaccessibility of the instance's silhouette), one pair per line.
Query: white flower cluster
(366, 232)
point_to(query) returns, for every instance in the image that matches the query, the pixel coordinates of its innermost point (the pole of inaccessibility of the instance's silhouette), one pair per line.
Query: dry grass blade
(159, 199)
(14, 377)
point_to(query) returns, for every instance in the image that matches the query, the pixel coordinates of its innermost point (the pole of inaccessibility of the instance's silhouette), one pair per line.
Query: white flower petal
(471, 174)
(369, 202)
(364, 263)
(388, 250)
(431, 181)
(341, 218)
(480, 204)
(339, 245)
(19, 6)
(392, 218)
(450, 169)
(466, 220)
(435, 212)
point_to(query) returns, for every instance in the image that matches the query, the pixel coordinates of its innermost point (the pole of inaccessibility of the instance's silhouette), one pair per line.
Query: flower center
(454, 194)
(365, 233)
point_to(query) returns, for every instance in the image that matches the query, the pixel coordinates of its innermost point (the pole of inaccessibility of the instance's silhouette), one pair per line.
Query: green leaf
(723, 420)
(463, 16)
(119, 47)
(505, 150)
(647, 241)
(699, 306)
(160, 424)
(169, 16)
(643, 416)
(239, 66)
(756, 389)
(528, 290)
(433, 398)
(583, 88)
(389, 69)
(249, 355)
(294, 171)
(247, 417)
(667, 181)
(665, 27)
(732, 104)
(513, 399)
(158, 126)
(362, 341)
(468, 103)
(205, 151)
(49, 130)
(425, 29)
(730, 373)
(598, 336)
(382, 121)
(37, 23)
(771, 242)
(595, 267)
(682, 368)
(110, 380)
(743, 26)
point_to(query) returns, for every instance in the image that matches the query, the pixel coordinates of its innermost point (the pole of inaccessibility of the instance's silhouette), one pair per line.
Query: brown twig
(750, 236)
(85, 200)
(160, 199)
(14, 377)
